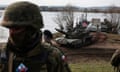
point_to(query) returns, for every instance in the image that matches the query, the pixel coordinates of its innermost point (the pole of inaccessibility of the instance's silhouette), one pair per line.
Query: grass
(57, 34)
(92, 67)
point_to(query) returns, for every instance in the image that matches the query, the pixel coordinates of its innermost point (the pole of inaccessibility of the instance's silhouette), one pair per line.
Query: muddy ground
(101, 51)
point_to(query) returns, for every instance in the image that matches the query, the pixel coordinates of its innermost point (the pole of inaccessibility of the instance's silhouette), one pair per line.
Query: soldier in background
(109, 25)
(49, 40)
(24, 50)
(115, 60)
(47, 36)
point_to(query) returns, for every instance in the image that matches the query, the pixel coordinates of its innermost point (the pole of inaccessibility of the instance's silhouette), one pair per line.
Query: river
(48, 19)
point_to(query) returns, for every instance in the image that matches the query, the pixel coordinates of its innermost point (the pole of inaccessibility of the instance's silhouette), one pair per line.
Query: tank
(74, 39)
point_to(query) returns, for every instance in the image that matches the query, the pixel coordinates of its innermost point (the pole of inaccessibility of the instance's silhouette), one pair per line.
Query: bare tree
(65, 19)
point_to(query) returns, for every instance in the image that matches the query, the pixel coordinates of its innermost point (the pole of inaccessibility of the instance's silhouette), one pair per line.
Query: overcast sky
(82, 3)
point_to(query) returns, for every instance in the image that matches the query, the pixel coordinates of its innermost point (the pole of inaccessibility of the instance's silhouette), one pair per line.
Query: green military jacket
(43, 58)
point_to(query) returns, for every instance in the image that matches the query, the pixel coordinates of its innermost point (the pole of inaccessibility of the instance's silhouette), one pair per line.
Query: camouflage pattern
(22, 14)
(75, 39)
(53, 62)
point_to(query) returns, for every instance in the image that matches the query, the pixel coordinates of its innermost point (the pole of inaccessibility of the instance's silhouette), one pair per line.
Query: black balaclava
(24, 41)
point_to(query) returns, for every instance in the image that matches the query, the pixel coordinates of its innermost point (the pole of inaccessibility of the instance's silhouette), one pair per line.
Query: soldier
(24, 50)
(115, 60)
(47, 36)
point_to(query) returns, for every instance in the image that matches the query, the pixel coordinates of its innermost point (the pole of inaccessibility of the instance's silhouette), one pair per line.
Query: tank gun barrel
(61, 31)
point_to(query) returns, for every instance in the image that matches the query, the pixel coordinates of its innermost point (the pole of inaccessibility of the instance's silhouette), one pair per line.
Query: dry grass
(92, 66)
(57, 35)
(113, 38)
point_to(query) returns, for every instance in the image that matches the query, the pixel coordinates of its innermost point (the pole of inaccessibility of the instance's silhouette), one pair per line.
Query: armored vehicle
(75, 39)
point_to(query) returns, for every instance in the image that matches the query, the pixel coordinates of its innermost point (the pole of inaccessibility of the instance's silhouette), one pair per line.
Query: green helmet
(22, 14)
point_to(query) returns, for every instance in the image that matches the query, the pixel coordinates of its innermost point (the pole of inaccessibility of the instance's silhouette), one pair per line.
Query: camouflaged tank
(74, 39)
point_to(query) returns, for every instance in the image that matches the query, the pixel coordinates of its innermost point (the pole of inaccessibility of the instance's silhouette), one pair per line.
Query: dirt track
(95, 52)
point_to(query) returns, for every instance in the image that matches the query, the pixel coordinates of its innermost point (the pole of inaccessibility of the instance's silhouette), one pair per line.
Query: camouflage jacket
(45, 58)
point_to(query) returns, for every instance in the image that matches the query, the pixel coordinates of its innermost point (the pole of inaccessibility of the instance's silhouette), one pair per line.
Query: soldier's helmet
(22, 14)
